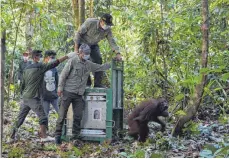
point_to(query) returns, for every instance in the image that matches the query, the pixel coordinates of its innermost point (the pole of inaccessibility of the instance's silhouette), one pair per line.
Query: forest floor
(201, 137)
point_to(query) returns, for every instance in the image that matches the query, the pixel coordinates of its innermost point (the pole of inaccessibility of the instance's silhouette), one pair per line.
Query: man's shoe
(77, 143)
(75, 137)
(47, 139)
(88, 86)
(58, 140)
(100, 86)
(13, 134)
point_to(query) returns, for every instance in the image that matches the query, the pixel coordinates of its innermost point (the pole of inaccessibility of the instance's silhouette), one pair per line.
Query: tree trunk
(91, 8)
(29, 30)
(81, 11)
(3, 51)
(163, 53)
(199, 90)
(75, 8)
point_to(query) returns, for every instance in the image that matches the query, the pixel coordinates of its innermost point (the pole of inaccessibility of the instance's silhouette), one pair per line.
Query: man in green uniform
(91, 32)
(72, 84)
(31, 83)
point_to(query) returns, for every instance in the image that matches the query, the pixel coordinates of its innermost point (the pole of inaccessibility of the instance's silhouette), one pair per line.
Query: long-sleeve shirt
(33, 77)
(22, 66)
(91, 33)
(75, 74)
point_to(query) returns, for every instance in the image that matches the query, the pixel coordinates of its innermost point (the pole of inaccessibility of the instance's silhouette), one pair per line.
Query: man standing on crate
(72, 84)
(91, 32)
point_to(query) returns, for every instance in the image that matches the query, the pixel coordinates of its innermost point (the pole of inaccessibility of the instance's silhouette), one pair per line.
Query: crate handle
(113, 123)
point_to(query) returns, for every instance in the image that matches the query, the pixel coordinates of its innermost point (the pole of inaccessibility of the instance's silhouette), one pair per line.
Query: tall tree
(29, 30)
(163, 53)
(91, 8)
(75, 8)
(199, 89)
(3, 51)
(81, 11)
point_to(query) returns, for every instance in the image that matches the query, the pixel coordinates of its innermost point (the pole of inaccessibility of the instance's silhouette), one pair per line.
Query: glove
(71, 55)
(18, 82)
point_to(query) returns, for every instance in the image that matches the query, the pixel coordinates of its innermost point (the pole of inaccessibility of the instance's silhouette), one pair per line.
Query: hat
(85, 49)
(49, 53)
(25, 53)
(107, 18)
(36, 53)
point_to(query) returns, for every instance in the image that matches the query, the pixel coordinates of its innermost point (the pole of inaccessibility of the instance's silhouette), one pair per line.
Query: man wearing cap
(22, 65)
(91, 32)
(31, 83)
(72, 84)
(50, 83)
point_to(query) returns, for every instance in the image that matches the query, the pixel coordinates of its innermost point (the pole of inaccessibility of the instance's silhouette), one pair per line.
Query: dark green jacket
(22, 66)
(33, 76)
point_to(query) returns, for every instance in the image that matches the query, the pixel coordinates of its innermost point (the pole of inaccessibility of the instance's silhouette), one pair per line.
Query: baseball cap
(49, 53)
(36, 53)
(107, 18)
(85, 49)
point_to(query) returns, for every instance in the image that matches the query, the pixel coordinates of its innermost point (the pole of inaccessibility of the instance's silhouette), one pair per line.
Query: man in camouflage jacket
(91, 32)
(72, 84)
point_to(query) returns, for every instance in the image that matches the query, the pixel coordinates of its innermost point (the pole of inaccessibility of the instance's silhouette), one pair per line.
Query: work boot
(13, 134)
(100, 86)
(43, 135)
(47, 139)
(58, 140)
(77, 143)
(75, 137)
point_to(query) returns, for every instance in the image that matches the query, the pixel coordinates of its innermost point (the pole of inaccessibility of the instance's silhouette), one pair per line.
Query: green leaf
(156, 155)
(225, 76)
(179, 20)
(205, 70)
(206, 154)
(179, 97)
(77, 152)
(222, 152)
(180, 113)
(131, 156)
(211, 147)
(51, 147)
(208, 91)
(123, 154)
(54, 19)
(140, 154)
(12, 87)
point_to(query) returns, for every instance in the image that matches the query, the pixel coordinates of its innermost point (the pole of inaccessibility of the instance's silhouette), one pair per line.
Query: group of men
(41, 86)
